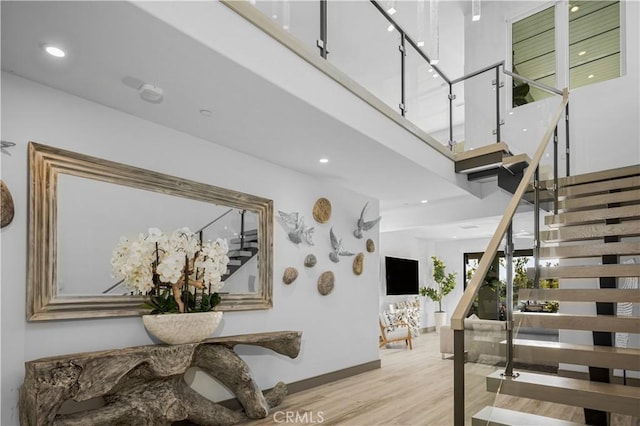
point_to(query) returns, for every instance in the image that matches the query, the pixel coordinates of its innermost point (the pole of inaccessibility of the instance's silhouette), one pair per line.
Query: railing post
(458, 377)
(451, 98)
(322, 43)
(555, 170)
(508, 252)
(403, 107)
(566, 127)
(536, 227)
(497, 103)
(242, 229)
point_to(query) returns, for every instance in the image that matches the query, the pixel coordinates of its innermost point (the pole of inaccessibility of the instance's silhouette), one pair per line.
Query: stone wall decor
(7, 209)
(338, 250)
(326, 283)
(371, 246)
(322, 210)
(298, 231)
(310, 261)
(144, 385)
(290, 275)
(363, 225)
(358, 264)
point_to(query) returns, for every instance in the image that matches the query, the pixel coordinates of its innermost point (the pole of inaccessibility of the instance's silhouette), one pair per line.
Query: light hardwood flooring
(412, 388)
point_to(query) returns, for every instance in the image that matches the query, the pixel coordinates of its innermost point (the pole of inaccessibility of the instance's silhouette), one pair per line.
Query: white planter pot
(441, 319)
(176, 329)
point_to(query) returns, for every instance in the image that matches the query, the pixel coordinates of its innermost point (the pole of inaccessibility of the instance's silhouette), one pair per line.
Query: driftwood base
(145, 385)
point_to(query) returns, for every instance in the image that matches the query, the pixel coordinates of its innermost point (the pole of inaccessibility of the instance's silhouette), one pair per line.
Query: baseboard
(431, 329)
(315, 381)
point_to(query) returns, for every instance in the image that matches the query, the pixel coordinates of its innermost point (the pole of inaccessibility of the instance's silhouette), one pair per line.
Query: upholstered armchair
(393, 331)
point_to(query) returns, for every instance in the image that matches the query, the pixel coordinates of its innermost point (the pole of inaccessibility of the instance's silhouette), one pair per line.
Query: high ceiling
(106, 63)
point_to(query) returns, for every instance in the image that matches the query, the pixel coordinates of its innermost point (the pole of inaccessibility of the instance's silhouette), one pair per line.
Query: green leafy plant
(444, 283)
(163, 303)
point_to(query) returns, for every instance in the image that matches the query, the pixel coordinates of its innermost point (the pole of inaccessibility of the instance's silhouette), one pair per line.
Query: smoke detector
(151, 93)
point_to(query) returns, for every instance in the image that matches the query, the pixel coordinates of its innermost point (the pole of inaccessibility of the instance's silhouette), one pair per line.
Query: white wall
(345, 320)
(404, 245)
(605, 130)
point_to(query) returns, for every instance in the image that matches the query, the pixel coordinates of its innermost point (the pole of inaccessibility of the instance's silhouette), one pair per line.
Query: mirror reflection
(82, 206)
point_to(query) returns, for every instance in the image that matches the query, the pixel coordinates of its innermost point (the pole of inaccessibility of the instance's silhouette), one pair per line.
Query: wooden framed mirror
(79, 208)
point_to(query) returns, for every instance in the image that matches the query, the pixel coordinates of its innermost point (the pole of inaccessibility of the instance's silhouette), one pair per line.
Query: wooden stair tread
(544, 352)
(599, 200)
(591, 231)
(516, 163)
(585, 216)
(611, 295)
(603, 175)
(563, 390)
(589, 250)
(495, 416)
(239, 253)
(482, 158)
(596, 187)
(612, 323)
(587, 271)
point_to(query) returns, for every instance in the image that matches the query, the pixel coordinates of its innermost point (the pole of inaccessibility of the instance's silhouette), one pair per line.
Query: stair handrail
(504, 227)
(459, 314)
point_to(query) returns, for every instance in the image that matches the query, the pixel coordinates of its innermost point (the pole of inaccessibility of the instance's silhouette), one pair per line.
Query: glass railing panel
(458, 112)
(479, 109)
(426, 96)
(300, 18)
(485, 356)
(369, 56)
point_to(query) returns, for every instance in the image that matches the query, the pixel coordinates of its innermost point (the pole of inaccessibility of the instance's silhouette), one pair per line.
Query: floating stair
(238, 256)
(598, 217)
(482, 162)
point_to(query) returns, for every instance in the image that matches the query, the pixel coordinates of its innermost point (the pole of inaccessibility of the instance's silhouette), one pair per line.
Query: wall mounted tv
(402, 275)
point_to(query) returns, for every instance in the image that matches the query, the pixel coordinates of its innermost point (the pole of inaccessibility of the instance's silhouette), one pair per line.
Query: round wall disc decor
(322, 210)
(7, 205)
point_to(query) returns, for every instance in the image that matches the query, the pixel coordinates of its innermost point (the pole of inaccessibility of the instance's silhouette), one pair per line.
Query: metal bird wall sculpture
(365, 225)
(298, 231)
(338, 250)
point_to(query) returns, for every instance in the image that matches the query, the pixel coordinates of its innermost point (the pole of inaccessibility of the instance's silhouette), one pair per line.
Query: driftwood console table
(145, 386)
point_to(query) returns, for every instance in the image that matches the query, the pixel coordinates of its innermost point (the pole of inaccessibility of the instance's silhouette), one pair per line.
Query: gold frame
(45, 163)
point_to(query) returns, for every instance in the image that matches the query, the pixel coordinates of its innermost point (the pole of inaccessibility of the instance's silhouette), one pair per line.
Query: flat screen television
(402, 275)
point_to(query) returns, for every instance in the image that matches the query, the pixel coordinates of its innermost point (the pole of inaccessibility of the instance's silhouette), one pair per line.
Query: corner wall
(339, 330)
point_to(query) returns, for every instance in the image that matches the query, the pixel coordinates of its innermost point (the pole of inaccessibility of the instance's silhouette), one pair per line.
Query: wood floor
(412, 388)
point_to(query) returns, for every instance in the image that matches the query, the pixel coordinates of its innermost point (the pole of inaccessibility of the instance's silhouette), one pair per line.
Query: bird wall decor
(365, 225)
(298, 231)
(338, 250)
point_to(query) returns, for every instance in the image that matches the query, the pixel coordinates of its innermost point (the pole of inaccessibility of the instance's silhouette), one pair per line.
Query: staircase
(595, 234)
(241, 251)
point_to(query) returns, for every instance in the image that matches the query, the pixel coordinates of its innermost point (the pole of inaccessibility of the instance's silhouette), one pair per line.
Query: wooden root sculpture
(145, 385)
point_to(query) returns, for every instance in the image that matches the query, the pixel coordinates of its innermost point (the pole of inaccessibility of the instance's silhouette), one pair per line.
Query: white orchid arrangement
(179, 260)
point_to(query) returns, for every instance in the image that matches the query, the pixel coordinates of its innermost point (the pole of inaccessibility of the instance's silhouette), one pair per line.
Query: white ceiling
(114, 46)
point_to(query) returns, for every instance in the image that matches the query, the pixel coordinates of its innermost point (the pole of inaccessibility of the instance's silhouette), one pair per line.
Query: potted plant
(181, 275)
(444, 283)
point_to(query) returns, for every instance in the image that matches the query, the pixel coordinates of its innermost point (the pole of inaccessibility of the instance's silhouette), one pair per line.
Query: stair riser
(578, 398)
(600, 215)
(590, 250)
(580, 295)
(589, 232)
(607, 323)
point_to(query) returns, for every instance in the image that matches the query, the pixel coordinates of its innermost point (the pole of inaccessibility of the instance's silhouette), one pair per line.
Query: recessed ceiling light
(510, 112)
(524, 130)
(324, 160)
(420, 43)
(582, 53)
(55, 51)
(434, 61)
(206, 112)
(590, 76)
(390, 28)
(575, 8)
(436, 76)
(430, 69)
(424, 201)
(151, 93)
(391, 10)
